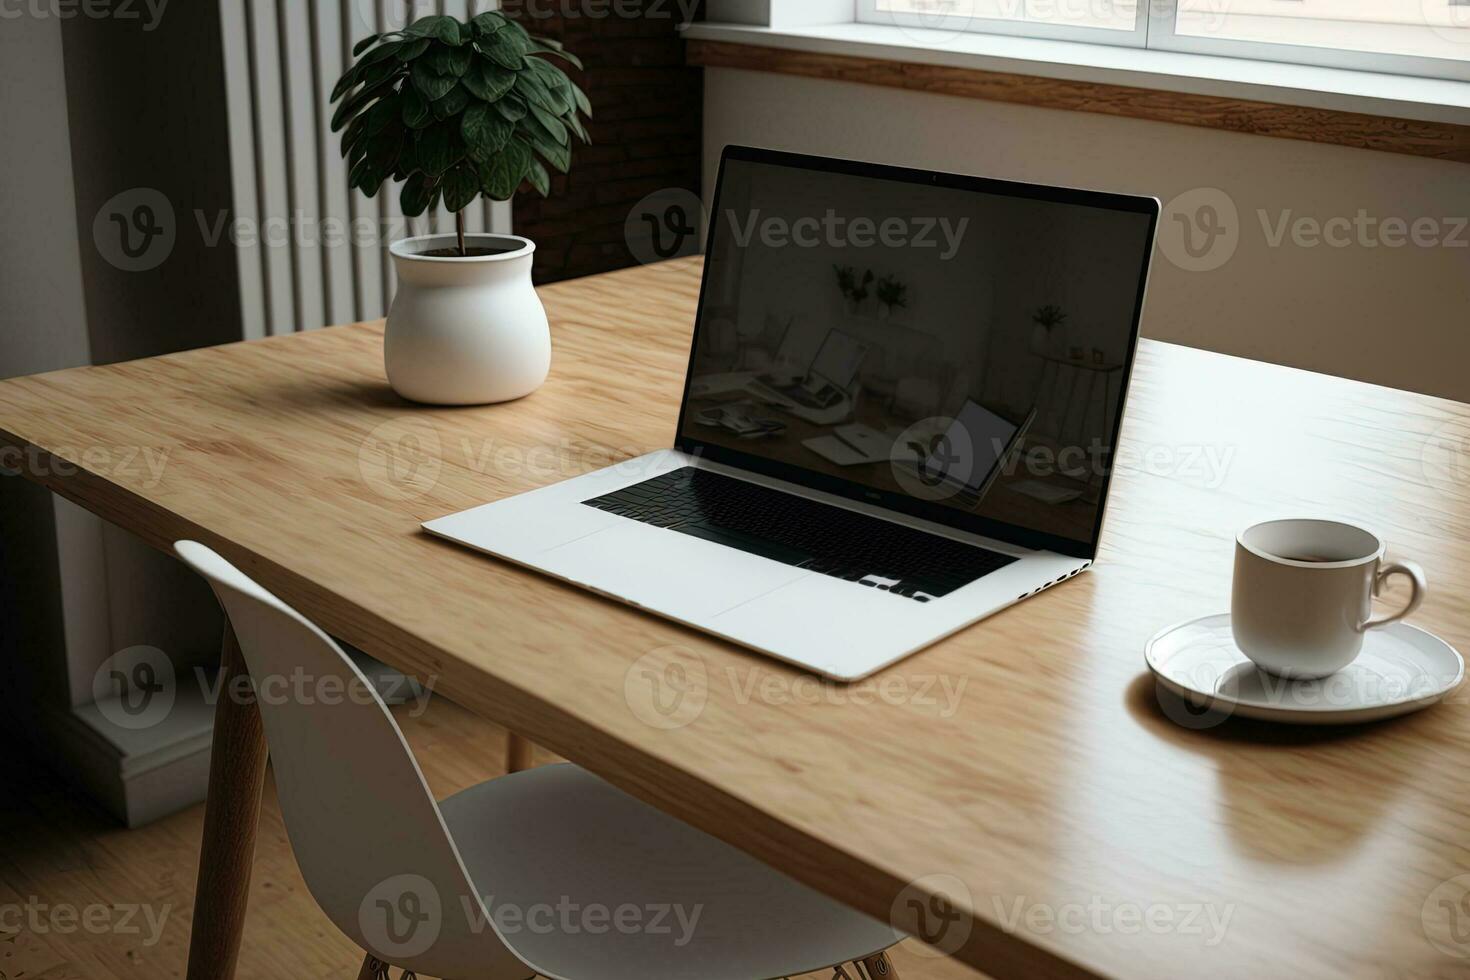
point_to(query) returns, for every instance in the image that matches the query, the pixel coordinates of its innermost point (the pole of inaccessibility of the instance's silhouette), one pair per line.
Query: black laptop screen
(953, 347)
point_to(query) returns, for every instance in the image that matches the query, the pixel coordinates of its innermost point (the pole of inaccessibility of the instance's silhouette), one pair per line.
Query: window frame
(1155, 31)
(868, 13)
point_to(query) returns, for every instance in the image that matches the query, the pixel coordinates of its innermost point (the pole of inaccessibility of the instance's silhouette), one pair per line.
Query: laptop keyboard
(801, 532)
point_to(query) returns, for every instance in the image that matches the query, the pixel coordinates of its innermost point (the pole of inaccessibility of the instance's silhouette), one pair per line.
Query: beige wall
(1395, 316)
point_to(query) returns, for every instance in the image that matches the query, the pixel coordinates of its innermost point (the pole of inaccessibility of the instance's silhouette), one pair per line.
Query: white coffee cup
(1303, 595)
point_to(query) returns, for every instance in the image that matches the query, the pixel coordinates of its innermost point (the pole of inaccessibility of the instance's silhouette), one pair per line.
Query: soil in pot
(469, 253)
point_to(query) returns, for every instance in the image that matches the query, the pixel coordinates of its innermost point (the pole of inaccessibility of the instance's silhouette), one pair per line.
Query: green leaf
(539, 178)
(408, 158)
(558, 156)
(364, 44)
(445, 60)
(537, 92)
(575, 125)
(503, 173)
(344, 84)
(383, 112)
(461, 186)
(487, 23)
(515, 30)
(356, 130)
(544, 45)
(439, 148)
(512, 108)
(488, 82)
(553, 126)
(416, 113)
(417, 191)
(381, 53)
(434, 87)
(452, 104)
(382, 154)
(438, 26)
(410, 50)
(485, 132)
(505, 49)
(580, 97)
(358, 100)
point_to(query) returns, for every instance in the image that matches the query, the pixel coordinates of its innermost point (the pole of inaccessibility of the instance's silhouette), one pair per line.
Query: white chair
(550, 871)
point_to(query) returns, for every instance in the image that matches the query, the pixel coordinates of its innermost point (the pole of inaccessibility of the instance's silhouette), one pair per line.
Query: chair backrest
(367, 833)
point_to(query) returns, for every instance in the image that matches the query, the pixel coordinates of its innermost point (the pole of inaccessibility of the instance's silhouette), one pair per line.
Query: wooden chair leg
(517, 753)
(879, 967)
(373, 969)
(236, 776)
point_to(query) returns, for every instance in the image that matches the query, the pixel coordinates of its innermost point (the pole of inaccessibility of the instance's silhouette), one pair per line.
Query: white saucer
(1402, 669)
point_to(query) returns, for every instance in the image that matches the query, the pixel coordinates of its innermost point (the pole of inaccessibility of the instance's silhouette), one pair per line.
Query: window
(1411, 37)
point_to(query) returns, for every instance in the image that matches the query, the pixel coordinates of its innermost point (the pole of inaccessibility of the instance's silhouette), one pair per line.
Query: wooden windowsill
(1393, 124)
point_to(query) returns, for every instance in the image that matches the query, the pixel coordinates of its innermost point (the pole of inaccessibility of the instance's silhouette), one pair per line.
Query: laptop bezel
(935, 512)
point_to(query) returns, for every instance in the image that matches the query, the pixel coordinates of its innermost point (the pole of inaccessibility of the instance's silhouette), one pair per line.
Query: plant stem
(459, 230)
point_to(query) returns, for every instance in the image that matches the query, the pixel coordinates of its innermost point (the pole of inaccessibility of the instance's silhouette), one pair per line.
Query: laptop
(973, 452)
(830, 377)
(845, 570)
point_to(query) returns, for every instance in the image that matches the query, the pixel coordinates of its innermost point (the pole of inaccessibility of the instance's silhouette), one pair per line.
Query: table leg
(517, 753)
(231, 811)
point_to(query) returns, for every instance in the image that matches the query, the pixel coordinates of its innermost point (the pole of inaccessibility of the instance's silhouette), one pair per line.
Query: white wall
(1395, 316)
(43, 327)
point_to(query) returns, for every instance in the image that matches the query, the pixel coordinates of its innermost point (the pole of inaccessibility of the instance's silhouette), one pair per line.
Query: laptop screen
(951, 347)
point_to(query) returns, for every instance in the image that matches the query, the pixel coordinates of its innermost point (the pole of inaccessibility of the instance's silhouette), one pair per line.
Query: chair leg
(878, 967)
(517, 753)
(373, 969)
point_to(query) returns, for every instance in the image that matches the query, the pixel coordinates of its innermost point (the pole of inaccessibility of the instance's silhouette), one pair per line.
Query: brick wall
(646, 129)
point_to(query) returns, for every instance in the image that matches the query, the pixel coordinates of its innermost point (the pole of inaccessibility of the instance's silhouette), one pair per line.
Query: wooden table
(1026, 763)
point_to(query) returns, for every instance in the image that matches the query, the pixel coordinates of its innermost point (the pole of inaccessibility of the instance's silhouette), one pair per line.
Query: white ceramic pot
(466, 331)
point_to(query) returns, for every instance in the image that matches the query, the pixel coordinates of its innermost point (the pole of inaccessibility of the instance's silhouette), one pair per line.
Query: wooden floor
(82, 898)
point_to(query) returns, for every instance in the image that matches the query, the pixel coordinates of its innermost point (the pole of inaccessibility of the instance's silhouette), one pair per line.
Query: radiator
(310, 251)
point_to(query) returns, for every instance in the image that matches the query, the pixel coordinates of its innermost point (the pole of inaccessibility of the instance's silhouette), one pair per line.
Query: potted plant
(892, 294)
(854, 290)
(457, 110)
(1045, 320)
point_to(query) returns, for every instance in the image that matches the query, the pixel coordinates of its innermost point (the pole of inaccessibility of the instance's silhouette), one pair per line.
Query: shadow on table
(1292, 794)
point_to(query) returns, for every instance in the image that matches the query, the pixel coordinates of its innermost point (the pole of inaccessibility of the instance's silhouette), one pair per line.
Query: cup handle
(1421, 588)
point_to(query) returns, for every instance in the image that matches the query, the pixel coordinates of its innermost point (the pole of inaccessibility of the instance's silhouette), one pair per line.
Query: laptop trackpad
(680, 576)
